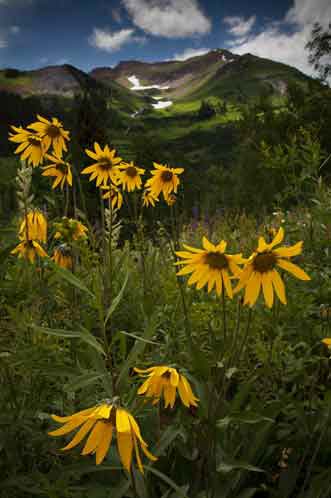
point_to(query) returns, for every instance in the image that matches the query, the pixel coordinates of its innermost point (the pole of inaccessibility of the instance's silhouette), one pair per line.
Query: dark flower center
(166, 375)
(105, 163)
(167, 176)
(62, 168)
(112, 417)
(53, 131)
(216, 260)
(34, 141)
(264, 262)
(131, 171)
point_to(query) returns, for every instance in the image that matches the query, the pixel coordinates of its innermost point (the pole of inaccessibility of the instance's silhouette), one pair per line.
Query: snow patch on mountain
(137, 86)
(162, 104)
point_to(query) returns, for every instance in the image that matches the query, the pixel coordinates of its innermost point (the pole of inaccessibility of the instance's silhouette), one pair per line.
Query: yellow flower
(70, 230)
(106, 166)
(164, 179)
(149, 199)
(33, 226)
(114, 194)
(102, 421)
(327, 341)
(165, 381)
(62, 256)
(260, 270)
(210, 265)
(60, 169)
(31, 146)
(29, 249)
(51, 133)
(130, 176)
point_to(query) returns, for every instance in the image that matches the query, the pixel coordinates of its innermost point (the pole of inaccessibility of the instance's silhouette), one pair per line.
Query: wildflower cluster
(212, 267)
(113, 174)
(46, 141)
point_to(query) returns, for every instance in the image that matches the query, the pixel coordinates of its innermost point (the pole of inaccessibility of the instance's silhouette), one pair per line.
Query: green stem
(66, 204)
(175, 240)
(224, 315)
(133, 482)
(317, 448)
(243, 344)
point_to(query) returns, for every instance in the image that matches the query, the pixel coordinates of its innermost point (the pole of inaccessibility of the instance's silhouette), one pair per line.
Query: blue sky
(92, 33)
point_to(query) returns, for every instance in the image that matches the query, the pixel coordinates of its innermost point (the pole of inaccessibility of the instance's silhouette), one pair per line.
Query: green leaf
(71, 278)
(84, 335)
(4, 253)
(137, 350)
(248, 493)
(138, 338)
(250, 419)
(117, 299)
(84, 380)
(168, 436)
(167, 480)
(226, 467)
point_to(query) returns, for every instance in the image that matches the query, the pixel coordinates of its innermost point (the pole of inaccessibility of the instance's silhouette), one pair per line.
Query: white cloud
(110, 41)
(6, 33)
(190, 52)
(3, 41)
(239, 26)
(306, 12)
(14, 30)
(168, 18)
(285, 41)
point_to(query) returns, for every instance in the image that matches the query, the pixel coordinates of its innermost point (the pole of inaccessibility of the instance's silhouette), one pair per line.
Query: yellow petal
(292, 268)
(136, 449)
(208, 246)
(289, 252)
(80, 434)
(279, 286)
(104, 443)
(174, 377)
(169, 394)
(68, 427)
(122, 421)
(267, 289)
(227, 283)
(278, 238)
(125, 447)
(252, 289)
(94, 438)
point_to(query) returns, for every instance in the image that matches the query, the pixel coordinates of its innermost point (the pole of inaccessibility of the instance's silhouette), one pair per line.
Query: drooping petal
(267, 289)
(104, 443)
(80, 434)
(227, 283)
(252, 290)
(68, 427)
(94, 438)
(122, 421)
(174, 377)
(125, 447)
(137, 453)
(279, 286)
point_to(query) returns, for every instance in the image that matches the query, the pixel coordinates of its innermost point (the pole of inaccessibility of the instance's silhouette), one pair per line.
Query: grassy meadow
(165, 307)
